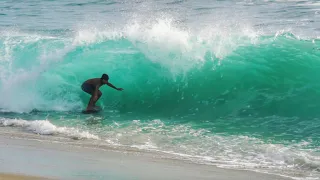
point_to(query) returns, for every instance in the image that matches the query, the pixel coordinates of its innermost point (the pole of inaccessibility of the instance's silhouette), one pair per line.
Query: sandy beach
(4, 176)
(23, 158)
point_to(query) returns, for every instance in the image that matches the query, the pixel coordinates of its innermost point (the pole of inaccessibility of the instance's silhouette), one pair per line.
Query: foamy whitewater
(227, 83)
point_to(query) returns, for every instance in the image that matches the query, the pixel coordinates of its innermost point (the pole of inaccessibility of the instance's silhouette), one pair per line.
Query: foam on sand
(63, 161)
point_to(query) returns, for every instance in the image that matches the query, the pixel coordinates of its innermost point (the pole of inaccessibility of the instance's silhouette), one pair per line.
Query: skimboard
(95, 110)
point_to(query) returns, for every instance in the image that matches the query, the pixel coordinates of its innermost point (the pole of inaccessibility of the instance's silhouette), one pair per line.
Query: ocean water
(229, 83)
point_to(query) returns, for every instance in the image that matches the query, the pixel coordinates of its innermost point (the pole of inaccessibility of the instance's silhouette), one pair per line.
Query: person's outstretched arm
(111, 85)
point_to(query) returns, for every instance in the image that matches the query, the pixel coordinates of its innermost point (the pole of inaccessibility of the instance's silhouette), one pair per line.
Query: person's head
(104, 78)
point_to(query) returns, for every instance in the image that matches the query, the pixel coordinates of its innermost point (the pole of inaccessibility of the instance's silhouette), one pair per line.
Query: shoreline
(42, 158)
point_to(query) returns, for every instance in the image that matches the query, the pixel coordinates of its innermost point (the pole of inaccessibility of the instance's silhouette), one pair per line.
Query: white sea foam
(45, 127)
(165, 34)
(228, 151)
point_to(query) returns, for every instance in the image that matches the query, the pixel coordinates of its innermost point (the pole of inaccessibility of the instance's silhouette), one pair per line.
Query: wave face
(164, 70)
(224, 95)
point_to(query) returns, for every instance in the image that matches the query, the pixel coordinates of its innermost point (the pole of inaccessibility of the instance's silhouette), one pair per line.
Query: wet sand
(64, 161)
(4, 176)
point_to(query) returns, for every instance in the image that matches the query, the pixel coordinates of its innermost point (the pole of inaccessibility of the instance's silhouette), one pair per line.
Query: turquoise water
(230, 83)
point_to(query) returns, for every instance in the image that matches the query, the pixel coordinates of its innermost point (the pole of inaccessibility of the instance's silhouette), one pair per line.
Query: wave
(164, 69)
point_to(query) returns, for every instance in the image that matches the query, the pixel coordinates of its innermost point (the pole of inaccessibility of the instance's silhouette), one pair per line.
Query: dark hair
(104, 77)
